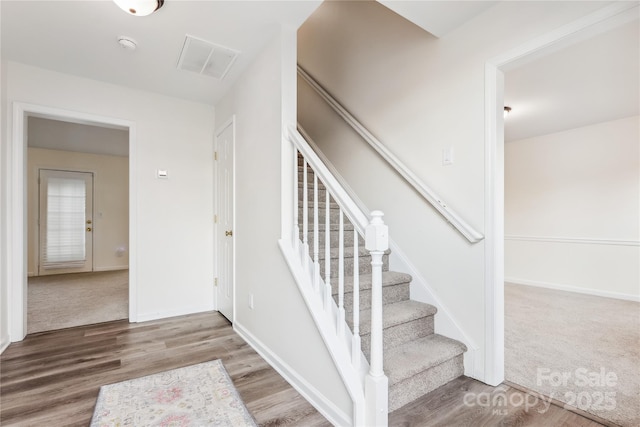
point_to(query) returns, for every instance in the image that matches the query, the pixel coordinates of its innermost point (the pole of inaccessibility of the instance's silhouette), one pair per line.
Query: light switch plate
(447, 156)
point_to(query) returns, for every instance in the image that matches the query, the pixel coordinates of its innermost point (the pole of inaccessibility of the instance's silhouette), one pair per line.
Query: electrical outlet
(251, 301)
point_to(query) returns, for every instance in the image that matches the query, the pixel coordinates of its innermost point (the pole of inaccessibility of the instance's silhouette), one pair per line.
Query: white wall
(572, 209)
(173, 225)
(418, 95)
(110, 201)
(279, 324)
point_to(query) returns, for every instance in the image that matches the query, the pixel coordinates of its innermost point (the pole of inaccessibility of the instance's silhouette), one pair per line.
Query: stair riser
(390, 294)
(321, 202)
(364, 265)
(334, 216)
(400, 334)
(334, 237)
(309, 174)
(310, 185)
(418, 385)
(322, 194)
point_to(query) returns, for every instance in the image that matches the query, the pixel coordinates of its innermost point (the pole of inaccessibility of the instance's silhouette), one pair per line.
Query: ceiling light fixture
(139, 7)
(507, 110)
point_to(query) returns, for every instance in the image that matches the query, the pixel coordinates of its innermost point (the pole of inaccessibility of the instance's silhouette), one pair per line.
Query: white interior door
(224, 229)
(65, 222)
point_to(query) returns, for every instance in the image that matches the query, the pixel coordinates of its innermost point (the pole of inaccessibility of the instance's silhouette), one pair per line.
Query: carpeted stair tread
(394, 314)
(348, 243)
(310, 185)
(411, 358)
(389, 278)
(321, 205)
(348, 252)
(333, 227)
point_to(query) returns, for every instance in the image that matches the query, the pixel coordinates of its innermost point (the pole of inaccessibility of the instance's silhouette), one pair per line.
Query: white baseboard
(308, 391)
(569, 288)
(575, 240)
(112, 268)
(96, 269)
(4, 344)
(146, 317)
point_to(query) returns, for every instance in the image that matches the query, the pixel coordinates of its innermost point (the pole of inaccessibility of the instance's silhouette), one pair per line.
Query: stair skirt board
(326, 325)
(327, 408)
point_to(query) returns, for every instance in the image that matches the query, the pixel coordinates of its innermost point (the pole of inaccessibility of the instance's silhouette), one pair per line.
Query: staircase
(416, 360)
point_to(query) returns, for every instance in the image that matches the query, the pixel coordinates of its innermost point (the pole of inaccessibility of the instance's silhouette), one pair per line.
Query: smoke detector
(206, 58)
(127, 43)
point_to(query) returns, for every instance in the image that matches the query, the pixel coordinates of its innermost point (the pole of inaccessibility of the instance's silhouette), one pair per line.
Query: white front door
(65, 222)
(224, 229)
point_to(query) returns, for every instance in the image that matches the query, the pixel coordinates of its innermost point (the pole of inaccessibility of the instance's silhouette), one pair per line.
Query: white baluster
(355, 344)
(327, 253)
(316, 237)
(296, 204)
(341, 314)
(376, 383)
(305, 218)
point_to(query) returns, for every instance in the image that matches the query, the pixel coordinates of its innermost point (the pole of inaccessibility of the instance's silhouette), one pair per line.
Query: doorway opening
(608, 18)
(83, 144)
(78, 225)
(571, 183)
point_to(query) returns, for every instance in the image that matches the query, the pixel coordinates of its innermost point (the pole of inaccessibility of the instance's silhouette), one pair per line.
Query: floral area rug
(193, 396)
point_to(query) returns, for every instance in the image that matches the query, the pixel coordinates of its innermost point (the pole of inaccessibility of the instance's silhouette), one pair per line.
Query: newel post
(376, 386)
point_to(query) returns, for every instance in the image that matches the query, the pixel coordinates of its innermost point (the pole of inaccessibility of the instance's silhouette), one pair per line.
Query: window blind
(64, 244)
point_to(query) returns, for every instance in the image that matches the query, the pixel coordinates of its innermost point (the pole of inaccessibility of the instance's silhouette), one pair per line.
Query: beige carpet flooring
(580, 349)
(67, 300)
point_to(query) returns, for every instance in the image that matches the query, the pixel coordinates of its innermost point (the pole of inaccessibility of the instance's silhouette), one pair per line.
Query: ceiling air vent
(206, 58)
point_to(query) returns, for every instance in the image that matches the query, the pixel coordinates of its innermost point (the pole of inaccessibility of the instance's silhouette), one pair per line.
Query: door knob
(88, 221)
(228, 233)
(88, 228)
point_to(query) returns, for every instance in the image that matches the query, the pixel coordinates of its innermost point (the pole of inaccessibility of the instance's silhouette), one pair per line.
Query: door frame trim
(494, 170)
(16, 256)
(216, 235)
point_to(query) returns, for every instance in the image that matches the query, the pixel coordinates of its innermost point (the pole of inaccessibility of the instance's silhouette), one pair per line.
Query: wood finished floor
(465, 402)
(53, 378)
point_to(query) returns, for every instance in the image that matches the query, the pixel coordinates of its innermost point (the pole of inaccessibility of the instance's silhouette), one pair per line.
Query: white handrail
(451, 216)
